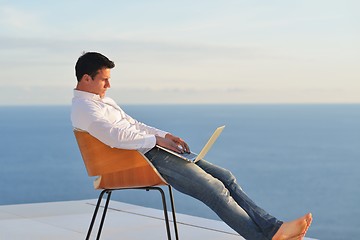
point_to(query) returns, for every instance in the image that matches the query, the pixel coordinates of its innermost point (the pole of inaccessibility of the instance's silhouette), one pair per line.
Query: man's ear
(85, 78)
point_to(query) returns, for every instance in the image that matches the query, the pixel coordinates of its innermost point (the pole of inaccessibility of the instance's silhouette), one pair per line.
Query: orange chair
(120, 169)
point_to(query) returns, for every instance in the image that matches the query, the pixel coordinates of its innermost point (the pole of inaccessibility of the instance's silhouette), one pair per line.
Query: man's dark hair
(90, 62)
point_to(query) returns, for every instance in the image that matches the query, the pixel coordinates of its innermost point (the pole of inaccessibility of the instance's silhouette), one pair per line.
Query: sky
(184, 52)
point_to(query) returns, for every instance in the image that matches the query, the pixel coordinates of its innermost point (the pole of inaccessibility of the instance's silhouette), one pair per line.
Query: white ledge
(70, 220)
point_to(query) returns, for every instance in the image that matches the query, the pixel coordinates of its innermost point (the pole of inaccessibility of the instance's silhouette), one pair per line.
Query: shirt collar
(86, 95)
(95, 97)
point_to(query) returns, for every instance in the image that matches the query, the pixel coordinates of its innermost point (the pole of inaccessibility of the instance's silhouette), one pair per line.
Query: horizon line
(186, 104)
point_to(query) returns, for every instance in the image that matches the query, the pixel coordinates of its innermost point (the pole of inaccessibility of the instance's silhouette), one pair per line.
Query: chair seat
(131, 178)
(116, 168)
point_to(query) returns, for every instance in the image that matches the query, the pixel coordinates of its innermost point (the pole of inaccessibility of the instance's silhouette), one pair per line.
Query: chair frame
(109, 192)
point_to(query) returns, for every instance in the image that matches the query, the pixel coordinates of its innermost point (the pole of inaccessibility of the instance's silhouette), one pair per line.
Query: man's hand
(173, 143)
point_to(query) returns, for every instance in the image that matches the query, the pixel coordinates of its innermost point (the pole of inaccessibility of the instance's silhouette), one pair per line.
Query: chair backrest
(116, 168)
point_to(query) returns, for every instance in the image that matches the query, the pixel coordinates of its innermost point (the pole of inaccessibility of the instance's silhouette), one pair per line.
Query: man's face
(100, 83)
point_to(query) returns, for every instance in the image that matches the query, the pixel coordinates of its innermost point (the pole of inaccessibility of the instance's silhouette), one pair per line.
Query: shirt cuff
(161, 133)
(149, 141)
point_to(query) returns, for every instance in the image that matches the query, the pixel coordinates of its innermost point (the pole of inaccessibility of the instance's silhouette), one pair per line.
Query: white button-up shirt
(106, 121)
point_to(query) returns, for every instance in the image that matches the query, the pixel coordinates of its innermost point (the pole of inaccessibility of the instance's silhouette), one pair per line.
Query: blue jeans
(218, 189)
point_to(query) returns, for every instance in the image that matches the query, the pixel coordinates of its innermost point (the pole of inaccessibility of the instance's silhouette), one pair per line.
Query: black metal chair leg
(104, 214)
(165, 210)
(109, 191)
(95, 214)
(173, 212)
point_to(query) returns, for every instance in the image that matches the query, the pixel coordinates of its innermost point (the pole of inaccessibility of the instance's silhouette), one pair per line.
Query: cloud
(231, 95)
(201, 51)
(13, 19)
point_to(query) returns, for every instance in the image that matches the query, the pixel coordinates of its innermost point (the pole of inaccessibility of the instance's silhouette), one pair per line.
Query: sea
(289, 158)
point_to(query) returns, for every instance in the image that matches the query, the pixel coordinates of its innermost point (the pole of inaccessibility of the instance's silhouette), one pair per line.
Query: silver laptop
(193, 157)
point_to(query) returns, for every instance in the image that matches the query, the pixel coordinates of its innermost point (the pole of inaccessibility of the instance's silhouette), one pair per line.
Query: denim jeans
(218, 189)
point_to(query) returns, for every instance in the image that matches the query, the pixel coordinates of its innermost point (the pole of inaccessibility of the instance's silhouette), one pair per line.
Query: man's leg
(272, 228)
(267, 223)
(190, 179)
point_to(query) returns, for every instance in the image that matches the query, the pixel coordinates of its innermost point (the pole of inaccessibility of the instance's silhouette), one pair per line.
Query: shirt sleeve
(90, 117)
(115, 136)
(146, 128)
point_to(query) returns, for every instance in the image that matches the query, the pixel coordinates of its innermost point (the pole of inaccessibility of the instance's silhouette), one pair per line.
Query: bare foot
(295, 229)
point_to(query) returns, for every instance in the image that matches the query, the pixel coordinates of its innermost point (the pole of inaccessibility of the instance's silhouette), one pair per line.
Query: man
(99, 115)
